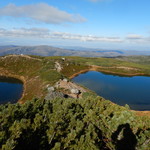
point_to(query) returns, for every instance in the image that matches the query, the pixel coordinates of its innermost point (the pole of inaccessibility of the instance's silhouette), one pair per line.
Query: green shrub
(89, 123)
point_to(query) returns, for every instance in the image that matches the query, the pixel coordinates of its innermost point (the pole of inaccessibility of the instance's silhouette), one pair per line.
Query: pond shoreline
(21, 78)
(5, 73)
(99, 69)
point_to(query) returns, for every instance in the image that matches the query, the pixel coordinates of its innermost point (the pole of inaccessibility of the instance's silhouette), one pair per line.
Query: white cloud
(85, 37)
(23, 32)
(41, 12)
(134, 36)
(138, 39)
(46, 33)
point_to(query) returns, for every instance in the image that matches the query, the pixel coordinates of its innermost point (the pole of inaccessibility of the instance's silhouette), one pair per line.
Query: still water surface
(134, 91)
(10, 90)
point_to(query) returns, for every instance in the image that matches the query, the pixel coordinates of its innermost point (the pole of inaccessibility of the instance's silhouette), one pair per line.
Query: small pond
(10, 90)
(134, 91)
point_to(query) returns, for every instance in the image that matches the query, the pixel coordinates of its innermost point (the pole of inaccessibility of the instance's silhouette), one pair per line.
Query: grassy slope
(38, 72)
(112, 65)
(35, 72)
(145, 60)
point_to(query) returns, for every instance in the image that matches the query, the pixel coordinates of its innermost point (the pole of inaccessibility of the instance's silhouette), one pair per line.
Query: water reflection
(10, 90)
(133, 91)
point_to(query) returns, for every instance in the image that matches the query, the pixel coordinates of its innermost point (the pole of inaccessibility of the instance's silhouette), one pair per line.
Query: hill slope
(90, 122)
(72, 124)
(38, 73)
(54, 51)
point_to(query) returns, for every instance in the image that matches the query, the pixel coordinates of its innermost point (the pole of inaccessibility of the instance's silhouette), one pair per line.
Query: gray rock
(65, 80)
(63, 59)
(51, 89)
(75, 91)
(53, 95)
(57, 84)
(47, 85)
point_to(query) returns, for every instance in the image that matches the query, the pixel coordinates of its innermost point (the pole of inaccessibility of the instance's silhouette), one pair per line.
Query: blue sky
(103, 24)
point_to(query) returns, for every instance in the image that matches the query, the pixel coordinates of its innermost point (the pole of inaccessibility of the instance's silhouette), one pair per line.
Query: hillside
(53, 115)
(60, 124)
(54, 51)
(44, 50)
(39, 73)
(145, 60)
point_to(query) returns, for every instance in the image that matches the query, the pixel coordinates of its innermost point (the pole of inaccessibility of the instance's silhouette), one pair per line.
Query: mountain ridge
(45, 50)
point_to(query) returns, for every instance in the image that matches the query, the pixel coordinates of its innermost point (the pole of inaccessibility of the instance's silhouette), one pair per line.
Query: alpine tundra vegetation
(55, 113)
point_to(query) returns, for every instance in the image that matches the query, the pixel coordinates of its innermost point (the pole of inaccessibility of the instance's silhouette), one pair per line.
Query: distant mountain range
(45, 50)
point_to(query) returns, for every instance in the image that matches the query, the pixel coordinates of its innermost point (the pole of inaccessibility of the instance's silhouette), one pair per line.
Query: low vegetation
(89, 123)
(38, 72)
(35, 72)
(113, 65)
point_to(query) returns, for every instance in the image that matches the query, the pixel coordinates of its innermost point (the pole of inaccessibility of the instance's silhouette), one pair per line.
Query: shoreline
(91, 68)
(98, 69)
(22, 79)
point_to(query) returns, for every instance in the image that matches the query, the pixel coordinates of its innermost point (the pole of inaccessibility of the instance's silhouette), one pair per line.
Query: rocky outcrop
(63, 59)
(75, 91)
(58, 67)
(70, 88)
(51, 89)
(52, 94)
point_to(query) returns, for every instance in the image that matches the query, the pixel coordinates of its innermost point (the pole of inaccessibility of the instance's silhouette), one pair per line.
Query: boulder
(57, 84)
(63, 59)
(51, 89)
(75, 91)
(65, 80)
